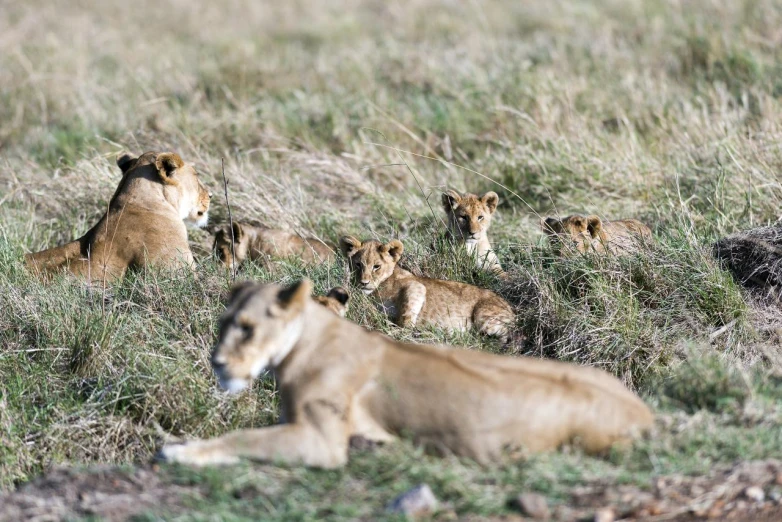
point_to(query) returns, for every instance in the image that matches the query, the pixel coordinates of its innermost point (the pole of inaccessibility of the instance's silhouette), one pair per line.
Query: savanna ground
(351, 117)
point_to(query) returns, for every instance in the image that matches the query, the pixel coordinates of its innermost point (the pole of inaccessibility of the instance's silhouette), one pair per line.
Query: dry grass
(350, 117)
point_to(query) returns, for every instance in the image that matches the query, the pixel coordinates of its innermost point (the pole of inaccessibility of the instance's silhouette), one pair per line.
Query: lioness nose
(365, 281)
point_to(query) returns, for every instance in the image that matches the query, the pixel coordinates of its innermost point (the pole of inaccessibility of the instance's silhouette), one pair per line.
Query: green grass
(351, 118)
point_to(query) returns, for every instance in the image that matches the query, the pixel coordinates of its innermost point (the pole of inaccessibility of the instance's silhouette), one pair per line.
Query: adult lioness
(469, 219)
(591, 234)
(338, 380)
(144, 223)
(411, 300)
(262, 243)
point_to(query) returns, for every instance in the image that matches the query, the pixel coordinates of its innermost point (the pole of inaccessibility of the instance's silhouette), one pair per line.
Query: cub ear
(238, 230)
(292, 298)
(451, 200)
(340, 294)
(167, 163)
(395, 248)
(238, 288)
(594, 225)
(491, 200)
(349, 245)
(547, 225)
(125, 161)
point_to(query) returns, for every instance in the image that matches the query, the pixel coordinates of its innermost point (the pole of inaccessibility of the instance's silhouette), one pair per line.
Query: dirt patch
(104, 492)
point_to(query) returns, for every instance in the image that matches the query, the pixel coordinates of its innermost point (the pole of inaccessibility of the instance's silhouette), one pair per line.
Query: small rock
(755, 493)
(533, 505)
(604, 515)
(418, 501)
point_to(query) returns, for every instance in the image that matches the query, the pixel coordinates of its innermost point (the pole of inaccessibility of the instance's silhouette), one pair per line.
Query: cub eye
(376, 268)
(480, 218)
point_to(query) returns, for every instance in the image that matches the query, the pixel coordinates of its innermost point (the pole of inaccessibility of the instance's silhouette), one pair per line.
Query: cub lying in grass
(144, 223)
(338, 380)
(259, 243)
(469, 219)
(412, 300)
(591, 234)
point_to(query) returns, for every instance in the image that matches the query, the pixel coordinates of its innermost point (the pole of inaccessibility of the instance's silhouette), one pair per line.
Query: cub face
(258, 329)
(336, 300)
(469, 216)
(574, 231)
(222, 245)
(371, 262)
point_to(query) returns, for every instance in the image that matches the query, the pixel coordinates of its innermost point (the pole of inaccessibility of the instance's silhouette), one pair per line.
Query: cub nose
(210, 195)
(365, 282)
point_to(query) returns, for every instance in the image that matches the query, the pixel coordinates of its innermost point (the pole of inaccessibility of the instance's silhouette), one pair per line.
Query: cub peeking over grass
(410, 300)
(259, 243)
(591, 234)
(469, 219)
(338, 380)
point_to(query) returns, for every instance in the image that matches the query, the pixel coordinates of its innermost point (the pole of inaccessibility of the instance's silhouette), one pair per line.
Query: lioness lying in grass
(339, 380)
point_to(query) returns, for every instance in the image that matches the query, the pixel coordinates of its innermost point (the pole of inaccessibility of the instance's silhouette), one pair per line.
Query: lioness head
(371, 262)
(336, 300)
(222, 245)
(469, 216)
(259, 328)
(180, 181)
(575, 231)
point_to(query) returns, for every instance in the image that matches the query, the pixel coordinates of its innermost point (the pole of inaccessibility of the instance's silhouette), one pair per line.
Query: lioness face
(193, 197)
(371, 262)
(258, 329)
(469, 216)
(575, 231)
(222, 246)
(336, 300)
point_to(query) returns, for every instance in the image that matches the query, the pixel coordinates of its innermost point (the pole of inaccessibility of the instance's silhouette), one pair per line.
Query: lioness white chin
(338, 380)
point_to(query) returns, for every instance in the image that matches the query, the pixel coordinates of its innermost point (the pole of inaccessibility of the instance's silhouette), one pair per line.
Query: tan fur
(336, 300)
(469, 218)
(144, 224)
(258, 243)
(591, 234)
(411, 300)
(338, 380)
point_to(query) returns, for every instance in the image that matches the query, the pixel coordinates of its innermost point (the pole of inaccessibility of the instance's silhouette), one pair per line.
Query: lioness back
(145, 222)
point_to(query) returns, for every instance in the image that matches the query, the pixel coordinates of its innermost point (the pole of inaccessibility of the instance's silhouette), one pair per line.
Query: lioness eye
(376, 268)
(247, 330)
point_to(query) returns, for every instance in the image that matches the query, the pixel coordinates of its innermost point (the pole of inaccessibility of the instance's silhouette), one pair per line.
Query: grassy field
(351, 117)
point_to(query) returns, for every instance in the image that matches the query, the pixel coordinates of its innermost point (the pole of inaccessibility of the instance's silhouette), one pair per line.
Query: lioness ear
(292, 298)
(491, 200)
(125, 161)
(349, 245)
(594, 225)
(238, 232)
(167, 163)
(340, 294)
(238, 288)
(451, 200)
(395, 248)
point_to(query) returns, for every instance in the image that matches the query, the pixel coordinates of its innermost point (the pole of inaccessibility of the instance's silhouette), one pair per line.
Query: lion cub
(336, 300)
(469, 219)
(412, 300)
(590, 233)
(262, 243)
(338, 380)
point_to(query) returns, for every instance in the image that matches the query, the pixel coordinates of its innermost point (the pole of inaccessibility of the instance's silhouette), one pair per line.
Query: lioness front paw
(196, 453)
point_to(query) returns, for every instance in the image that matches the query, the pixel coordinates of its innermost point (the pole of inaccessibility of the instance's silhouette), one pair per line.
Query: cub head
(469, 216)
(574, 231)
(336, 300)
(181, 186)
(222, 245)
(371, 262)
(260, 326)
